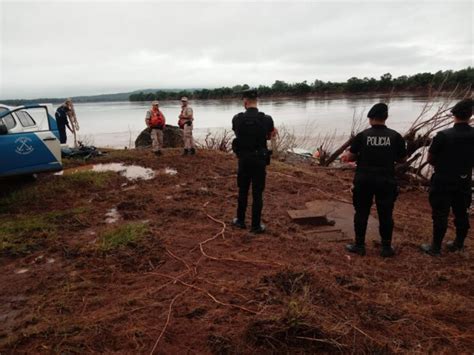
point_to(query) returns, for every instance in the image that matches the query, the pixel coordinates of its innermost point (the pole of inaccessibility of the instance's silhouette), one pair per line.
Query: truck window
(8, 120)
(25, 119)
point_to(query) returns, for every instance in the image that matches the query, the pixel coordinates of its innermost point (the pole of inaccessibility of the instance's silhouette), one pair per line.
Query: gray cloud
(71, 48)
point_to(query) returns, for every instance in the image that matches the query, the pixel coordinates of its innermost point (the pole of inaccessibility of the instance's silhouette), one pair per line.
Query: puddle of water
(171, 171)
(51, 261)
(21, 271)
(131, 172)
(112, 216)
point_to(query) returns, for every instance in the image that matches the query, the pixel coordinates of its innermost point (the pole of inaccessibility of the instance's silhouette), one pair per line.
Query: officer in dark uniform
(452, 155)
(376, 150)
(62, 121)
(252, 129)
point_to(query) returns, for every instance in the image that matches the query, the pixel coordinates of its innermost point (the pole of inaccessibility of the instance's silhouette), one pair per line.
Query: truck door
(30, 144)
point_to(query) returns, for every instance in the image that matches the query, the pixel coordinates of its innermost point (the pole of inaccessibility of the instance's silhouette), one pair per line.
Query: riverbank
(116, 125)
(94, 262)
(111, 98)
(418, 94)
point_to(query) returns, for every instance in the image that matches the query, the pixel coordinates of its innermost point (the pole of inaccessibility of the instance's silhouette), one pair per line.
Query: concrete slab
(309, 216)
(343, 215)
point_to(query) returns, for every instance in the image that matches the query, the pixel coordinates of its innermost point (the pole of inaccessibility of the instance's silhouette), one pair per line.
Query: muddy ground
(171, 276)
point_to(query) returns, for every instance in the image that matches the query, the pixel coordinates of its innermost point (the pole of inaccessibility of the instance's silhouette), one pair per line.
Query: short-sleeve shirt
(377, 150)
(187, 112)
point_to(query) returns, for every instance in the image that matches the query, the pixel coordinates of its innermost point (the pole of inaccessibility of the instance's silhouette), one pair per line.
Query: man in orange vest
(185, 122)
(155, 120)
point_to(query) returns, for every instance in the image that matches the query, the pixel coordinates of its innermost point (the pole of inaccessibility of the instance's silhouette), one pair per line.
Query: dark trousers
(442, 199)
(385, 194)
(62, 130)
(251, 171)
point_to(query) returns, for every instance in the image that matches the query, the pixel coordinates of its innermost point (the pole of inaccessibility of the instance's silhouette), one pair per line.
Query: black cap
(249, 93)
(463, 109)
(378, 111)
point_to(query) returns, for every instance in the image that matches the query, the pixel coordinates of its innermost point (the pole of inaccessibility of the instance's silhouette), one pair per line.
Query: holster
(235, 146)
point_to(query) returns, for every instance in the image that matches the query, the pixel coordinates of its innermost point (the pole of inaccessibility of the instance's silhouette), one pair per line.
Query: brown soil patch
(193, 284)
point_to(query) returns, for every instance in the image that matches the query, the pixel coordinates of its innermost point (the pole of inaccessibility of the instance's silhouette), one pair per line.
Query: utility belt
(375, 176)
(440, 182)
(182, 123)
(260, 153)
(380, 170)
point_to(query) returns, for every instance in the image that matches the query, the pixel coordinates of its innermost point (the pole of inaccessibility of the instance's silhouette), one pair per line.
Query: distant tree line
(447, 80)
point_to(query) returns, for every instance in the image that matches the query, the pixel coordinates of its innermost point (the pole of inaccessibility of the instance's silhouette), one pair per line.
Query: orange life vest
(157, 120)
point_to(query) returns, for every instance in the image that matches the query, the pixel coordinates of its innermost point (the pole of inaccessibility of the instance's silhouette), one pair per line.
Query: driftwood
(430, 120)
(337, 152)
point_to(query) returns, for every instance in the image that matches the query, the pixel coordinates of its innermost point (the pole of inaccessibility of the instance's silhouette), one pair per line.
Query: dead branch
(167, 321)
(358, 125)
(207, 293)
(339, 151)
(218, 141)
(181, 260)
(221, 233)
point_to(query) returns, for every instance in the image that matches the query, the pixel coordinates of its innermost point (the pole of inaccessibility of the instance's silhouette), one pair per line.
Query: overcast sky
(78, 48)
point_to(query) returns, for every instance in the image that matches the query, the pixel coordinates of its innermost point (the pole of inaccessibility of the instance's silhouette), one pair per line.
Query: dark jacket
(377, 149)
(453, 155)
(251, 128)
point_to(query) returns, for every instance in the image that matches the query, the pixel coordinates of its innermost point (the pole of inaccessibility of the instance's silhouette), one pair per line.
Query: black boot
(356, 249)
(192, 151)
(185, 152)
(454, 246)
(430, 249)
(238, 223)
(258, 229)
(158, 153)
(387, 251)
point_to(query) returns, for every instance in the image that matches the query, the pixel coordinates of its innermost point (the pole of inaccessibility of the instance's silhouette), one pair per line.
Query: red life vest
(157, 120)
(182, 121)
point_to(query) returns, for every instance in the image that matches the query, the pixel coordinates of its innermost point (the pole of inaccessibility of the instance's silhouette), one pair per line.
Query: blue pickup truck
(29, 140)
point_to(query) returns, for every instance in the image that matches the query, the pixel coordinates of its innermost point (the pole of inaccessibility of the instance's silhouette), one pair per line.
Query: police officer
(376, 150)
(452, 155)
(252, 129)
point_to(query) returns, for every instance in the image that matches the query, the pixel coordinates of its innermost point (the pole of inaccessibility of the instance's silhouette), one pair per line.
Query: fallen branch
(181, 260)
(338, 151)
(167, 322)
(207, 293)
(221, 233)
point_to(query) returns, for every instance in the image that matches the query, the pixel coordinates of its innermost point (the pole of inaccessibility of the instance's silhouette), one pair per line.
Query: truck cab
(29, 140)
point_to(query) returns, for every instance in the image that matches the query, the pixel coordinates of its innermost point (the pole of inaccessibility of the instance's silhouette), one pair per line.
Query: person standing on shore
(376, 150)
(452, 155)
(155, 120)
(185, 122)
(252, 129)
(66, 117)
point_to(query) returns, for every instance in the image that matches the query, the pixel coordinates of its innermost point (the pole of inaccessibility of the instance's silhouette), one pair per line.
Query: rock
(172, 138)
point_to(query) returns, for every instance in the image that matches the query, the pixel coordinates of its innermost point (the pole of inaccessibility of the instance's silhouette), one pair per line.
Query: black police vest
(378, 151)
(250, 132)
(455, 161)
